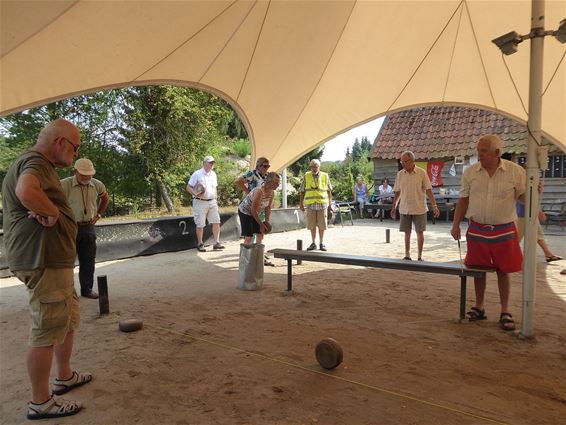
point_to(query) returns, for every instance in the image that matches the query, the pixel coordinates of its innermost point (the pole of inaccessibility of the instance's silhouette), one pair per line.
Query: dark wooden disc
(268, 227)
(329, 353)
(130, 325)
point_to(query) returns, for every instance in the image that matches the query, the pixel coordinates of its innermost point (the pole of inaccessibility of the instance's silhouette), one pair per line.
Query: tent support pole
(284, 188)
(532, 194)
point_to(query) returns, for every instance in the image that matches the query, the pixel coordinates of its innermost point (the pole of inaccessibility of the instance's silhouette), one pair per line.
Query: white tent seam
(253, 52)
(330, 56)
(213, 61)
(452, 55)
(424, 58)
(40, 29)
(514, 85)
(480, 55)
(554, 73)
(185, 42)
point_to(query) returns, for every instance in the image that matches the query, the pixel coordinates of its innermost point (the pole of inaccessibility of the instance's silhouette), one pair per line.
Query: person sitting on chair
(385, 196)
(361, 194)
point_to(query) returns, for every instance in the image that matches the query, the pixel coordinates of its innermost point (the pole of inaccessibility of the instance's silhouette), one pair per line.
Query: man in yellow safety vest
(316, 194)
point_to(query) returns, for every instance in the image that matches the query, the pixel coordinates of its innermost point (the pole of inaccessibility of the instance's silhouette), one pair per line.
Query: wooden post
(103, 303)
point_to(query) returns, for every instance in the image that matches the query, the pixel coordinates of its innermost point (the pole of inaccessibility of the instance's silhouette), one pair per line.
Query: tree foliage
(144, 141)
(301, 165)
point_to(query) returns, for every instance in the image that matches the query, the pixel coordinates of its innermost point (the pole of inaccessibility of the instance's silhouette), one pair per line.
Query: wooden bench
(380, 207)
(384, 263)
(556, 213)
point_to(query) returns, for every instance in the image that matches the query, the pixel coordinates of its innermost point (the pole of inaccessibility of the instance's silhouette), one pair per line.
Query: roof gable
(443, 131)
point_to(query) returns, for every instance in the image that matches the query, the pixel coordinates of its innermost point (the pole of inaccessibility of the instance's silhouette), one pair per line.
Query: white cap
(84, 166)
(209, 158)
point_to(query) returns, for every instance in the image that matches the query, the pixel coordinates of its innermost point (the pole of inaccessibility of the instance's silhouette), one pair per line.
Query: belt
(202, 199)
(84, 223)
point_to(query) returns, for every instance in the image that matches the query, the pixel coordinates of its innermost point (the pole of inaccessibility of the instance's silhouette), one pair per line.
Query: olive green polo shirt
(29, 245)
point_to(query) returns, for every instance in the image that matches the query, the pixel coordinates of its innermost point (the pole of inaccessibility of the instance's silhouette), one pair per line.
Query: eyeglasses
(75, 147)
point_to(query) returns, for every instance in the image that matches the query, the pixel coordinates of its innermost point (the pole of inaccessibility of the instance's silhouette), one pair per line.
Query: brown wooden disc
(130, 325)
(268, 227)
(328, 353)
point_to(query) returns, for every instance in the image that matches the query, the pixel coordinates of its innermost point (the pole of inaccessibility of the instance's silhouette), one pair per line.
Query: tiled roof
(444, 131)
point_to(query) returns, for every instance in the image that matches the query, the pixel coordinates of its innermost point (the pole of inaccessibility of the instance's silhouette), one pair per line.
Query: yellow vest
(316, 194)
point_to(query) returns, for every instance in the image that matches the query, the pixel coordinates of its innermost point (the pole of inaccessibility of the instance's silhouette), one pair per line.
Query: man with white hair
(489, 191)
(202, 185)
(88, 199)
(411, 185)
(316, 193)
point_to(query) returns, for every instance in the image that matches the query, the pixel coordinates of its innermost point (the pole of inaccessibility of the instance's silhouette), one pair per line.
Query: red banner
(434, 171)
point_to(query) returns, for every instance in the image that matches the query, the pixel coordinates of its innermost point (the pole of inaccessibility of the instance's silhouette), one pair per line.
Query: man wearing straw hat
(88, 199)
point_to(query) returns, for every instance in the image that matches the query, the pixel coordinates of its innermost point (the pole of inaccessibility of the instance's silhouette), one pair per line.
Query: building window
(556, 167)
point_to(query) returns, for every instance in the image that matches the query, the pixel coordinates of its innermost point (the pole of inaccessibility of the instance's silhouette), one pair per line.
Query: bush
(242, 148)
(227, 193)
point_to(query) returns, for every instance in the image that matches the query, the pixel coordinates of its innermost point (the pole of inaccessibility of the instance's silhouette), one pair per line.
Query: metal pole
(532, 196)
(299, 248)
(284, 188)
(387, 235)
(103, 302)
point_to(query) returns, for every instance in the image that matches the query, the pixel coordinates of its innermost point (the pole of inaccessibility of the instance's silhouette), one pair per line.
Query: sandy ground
(211, 354)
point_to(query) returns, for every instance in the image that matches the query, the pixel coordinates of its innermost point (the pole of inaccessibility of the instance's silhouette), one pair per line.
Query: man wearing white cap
(202, 185)
(88, 199)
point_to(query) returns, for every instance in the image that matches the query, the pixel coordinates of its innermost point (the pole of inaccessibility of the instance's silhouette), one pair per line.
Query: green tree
(356, 150)
(301, 165)
(366, 144)
(168, 129)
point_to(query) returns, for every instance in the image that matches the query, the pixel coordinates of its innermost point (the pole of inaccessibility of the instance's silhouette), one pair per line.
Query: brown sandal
(506, 322)
(476, 314)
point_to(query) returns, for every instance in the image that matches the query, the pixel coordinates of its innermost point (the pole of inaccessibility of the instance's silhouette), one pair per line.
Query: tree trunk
(165, 196)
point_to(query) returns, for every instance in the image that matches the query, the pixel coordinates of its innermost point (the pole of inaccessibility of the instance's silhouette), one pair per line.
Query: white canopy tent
(298, 72)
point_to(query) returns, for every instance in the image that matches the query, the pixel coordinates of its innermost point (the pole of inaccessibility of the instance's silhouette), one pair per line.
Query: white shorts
(204, 210)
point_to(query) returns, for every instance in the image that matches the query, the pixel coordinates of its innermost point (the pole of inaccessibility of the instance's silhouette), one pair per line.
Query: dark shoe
(476, 314)
(322, 247)
(201, 247)
(407, 258)
(92, 295)
(311, 247)
(553, 258)
(506, 322)
(420, 259)
(217, 246)
(267, 262)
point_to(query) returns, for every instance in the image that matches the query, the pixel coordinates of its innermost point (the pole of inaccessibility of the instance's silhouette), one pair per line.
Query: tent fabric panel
(299, 72)
(228, 71)
(290, 58)
(37, 14)
(202, 48)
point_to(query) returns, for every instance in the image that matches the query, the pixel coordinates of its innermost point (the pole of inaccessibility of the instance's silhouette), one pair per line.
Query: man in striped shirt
(488, 193)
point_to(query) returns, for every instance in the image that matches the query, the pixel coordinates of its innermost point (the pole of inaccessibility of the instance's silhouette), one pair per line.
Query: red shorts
(494, 246)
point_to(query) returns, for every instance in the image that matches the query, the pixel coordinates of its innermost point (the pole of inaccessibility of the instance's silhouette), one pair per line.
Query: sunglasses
(265, 165)
(75, 147)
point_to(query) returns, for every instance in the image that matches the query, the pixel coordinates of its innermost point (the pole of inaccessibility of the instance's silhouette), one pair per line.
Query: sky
(335, 149)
